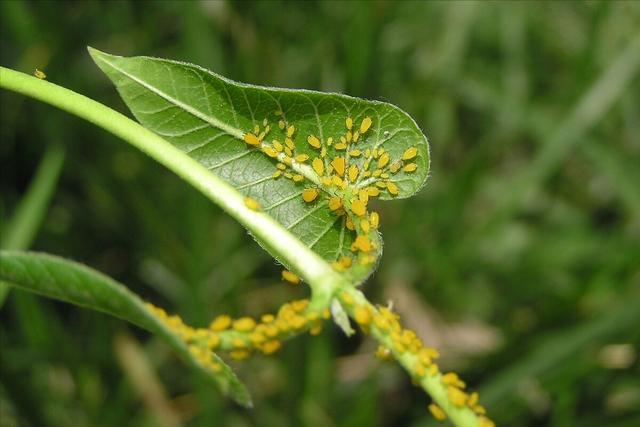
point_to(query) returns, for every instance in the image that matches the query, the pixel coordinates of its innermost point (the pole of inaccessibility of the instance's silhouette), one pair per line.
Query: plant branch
(320, 276)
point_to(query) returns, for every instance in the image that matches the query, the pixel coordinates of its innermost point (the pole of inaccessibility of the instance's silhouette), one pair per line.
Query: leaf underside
(208, 116)
(69, 281)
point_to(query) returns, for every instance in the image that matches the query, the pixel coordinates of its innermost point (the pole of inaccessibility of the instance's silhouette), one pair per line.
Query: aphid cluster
(403, 341)
(240, 337)
(343, 172)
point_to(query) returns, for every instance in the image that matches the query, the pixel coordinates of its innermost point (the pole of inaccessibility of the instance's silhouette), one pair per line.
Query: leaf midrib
(301, 168)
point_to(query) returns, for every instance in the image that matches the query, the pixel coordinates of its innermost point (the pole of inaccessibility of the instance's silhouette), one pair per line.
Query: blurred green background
(519, 259)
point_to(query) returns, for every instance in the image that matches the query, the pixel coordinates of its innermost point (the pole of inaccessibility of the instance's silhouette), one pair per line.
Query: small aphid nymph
(252, 204)
(290, 277)
(40, 74)
(310, 194)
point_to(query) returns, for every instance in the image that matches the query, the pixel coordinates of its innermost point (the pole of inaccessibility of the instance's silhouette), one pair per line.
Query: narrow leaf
(20, 231)
(310, 160)
(68, 281)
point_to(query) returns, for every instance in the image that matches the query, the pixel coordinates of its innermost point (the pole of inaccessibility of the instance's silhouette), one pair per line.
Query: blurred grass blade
(22, 228)
(593, 105)
(559, 348)
(244, 133)
(68, 281)
(144, 380)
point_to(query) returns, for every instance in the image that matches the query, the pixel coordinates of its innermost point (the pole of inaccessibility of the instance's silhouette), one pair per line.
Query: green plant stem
(320, 276)
(322, 279)
(431, 384)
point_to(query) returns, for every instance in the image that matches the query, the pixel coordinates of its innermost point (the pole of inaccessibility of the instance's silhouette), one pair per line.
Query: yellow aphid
(271, 347)
(457, 396)
(262, 135)
(362, 315)
(358, 207)
(323, 152)
(326, 181)
(310, 194)
(278, 146)
(410, 153)
(375, 153)
(383, 353)
(479, 409)
(256, 129)
(381, 184)
(290, 130)
(355, 153)
(374, 218)
(364, 224)
(213, 342)
(265, 122)
(367, 152)
(345, 261)
(418, 370)
(395, 167)
(392, 188)
(349, 224)
(385, 175)
(251, 139)
(335, 180)
(40, 74)
(290, 277)
(362, 243)
(338, 165)
(298, 178)
(356, 136)
(244, 324)
(316, 329)
(349, 123)
(353, 173)
(377, 173)
(411, 167)
(277, 174)
(318, 166)
(365, 125)
(302, 158)
(348, 136)
(220, 323)
(281, 124)
(269, 151)
(251, 203)
(437, 412)
(239, 354)
(288, 151)
(451, 378)
(340, 146)
(383, 160)
(313, 141)
(373, 191)
(473, 399)
(335, 203)
(329, 141)
(343, 139)
(239, 342)
(257, 338)
(289, 143)
(281, 166)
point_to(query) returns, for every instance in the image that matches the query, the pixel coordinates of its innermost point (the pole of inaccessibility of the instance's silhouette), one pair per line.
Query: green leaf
(68, 281)
(209, 117)
(20, 231)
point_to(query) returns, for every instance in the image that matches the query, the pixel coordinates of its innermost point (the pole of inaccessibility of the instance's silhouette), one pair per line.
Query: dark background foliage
(519, 259)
